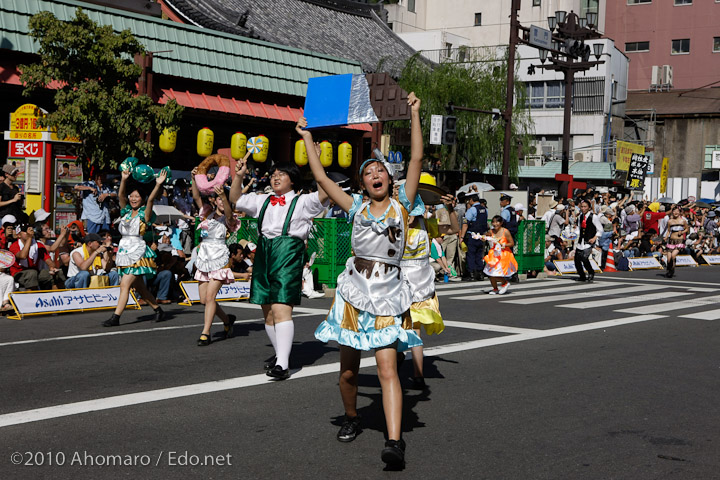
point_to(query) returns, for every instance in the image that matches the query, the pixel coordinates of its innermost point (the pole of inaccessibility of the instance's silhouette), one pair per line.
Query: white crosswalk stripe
(578, 295)
(537, 290)
(625, 300)
(706, 315)
(665, 307)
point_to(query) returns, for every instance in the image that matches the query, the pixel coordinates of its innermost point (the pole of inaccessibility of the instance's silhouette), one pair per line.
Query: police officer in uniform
(476, 219)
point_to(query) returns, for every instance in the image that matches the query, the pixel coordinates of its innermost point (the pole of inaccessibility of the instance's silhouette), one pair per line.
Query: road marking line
(625, 279)
(624, 300)
(540, 291)
(99, 404)
(578, 295)
(664, 307)
(123, 332)
(488, 327)
(706, 315)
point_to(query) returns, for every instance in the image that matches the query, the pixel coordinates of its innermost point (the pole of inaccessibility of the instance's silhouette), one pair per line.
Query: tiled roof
(335, 27)
(704, 101)
(197, 53)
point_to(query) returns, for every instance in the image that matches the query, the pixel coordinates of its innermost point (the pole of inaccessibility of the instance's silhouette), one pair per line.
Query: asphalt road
(556, 380)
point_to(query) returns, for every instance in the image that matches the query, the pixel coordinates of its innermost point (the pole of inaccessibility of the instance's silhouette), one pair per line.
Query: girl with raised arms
(373, 298)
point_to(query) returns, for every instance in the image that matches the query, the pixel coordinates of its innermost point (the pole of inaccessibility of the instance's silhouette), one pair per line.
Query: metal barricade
(530, 245)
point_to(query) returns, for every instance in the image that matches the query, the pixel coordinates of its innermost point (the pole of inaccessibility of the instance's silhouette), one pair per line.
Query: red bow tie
(275, 199)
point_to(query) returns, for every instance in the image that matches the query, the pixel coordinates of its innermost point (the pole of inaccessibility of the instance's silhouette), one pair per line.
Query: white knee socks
(270, 330)
(284, 333)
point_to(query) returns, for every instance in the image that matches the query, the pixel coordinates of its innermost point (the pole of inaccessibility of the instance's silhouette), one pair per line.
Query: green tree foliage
(478, 81)
(96, 97)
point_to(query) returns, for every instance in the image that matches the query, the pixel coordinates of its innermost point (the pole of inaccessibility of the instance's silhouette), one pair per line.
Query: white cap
(41, 215)
(519, 207)
(513, 186)
(560, 207)
(251, 246)
(8, 219)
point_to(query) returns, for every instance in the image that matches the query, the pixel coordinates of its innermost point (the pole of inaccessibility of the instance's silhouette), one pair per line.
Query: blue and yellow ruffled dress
(134, 255)
(373, 297)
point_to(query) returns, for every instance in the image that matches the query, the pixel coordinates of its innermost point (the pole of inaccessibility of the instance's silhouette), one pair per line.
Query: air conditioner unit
(715, 159)
(656, 78)
(667, 75)
(547, 150)
(579, 157)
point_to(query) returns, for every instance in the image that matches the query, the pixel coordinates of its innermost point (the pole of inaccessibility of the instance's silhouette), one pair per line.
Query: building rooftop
(340, 28)
(704, 101)
(188, 51)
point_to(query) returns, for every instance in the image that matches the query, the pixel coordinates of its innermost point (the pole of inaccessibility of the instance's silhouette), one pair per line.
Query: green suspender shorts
(278, 266)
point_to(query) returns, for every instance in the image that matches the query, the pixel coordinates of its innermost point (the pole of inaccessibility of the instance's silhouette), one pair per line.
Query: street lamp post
(569, 55)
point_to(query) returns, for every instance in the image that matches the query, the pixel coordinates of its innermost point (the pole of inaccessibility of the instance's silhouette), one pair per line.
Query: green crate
(330, 240)
(530, 245)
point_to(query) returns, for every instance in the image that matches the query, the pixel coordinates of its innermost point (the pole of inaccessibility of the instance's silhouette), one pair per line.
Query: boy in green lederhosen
(284, 222)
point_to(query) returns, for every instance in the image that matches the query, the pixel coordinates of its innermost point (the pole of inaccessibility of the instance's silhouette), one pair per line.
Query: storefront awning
(246, 108)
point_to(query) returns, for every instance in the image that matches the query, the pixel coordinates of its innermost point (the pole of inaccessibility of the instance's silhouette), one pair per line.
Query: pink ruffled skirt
(224, 275)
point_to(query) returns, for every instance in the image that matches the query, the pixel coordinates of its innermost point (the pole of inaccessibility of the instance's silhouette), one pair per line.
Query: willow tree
(478, 81)
(91, 69)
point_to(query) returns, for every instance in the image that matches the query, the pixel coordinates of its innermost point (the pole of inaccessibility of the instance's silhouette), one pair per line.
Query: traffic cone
(610, 262)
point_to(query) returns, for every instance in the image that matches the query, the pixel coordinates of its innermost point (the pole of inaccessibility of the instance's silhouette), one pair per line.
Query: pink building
(684, 34)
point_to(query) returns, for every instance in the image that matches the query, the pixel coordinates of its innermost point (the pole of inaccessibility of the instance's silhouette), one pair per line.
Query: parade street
(555, 380)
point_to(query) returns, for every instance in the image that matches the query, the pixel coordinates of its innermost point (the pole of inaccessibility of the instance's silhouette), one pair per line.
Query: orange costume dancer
(500, 263)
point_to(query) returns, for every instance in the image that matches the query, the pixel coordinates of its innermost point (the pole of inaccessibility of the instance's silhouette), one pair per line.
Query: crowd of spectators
(81, 254)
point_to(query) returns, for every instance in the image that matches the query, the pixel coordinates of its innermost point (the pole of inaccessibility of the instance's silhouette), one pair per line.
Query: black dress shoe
(159, 314)
(270, 362)
(204, 340)
(394, 453)
(113, 321)
(581, 279)
(418, 383)
(278, 373)
(591, 277)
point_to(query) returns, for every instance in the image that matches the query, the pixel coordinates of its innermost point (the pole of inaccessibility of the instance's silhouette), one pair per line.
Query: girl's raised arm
(325, 184)
(416, 148)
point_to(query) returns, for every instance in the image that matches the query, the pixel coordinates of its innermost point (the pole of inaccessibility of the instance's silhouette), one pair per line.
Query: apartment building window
(478, 19)
(680, 46)
(546, 95)
(683, 2)
(716, 44)
(411, 6)
(637, 47)
(635, 2)
(536, 3)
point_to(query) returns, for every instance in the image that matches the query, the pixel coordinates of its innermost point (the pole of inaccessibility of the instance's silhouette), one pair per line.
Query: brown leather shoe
(164, 302)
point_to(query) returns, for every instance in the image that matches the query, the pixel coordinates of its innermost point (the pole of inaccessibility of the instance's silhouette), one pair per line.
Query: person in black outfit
(476, 223)
(590, 230)
(11, 200)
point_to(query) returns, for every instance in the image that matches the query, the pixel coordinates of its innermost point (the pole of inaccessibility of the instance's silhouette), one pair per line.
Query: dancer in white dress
(212, 263)
(135, 258)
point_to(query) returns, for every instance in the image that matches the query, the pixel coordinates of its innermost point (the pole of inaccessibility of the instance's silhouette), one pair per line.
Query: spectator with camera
(90, 258)
(96, 203)
(28, 255)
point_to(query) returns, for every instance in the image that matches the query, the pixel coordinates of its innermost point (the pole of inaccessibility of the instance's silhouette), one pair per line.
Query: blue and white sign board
(712, 259)
(540, 37)
(233, 291)
(568, 266)
(338, 100)
(685, 261)
(436, 130)
(45, 302)
(643, 263)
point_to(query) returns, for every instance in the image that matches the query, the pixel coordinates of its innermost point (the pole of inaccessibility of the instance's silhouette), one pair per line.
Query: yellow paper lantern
(168, 140)
(205, 140)
(301, 157)
(326, 153)
(238, 145)
(345, 155)
(263, 154)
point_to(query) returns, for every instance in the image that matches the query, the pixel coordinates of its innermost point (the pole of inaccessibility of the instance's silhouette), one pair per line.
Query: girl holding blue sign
(372, 301)
(212, 264)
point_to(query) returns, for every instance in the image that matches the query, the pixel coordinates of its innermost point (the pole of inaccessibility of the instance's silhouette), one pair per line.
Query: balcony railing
(465, 54)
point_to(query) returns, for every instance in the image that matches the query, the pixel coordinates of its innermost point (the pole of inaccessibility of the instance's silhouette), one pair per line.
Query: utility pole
(510, 96)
